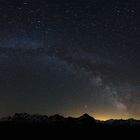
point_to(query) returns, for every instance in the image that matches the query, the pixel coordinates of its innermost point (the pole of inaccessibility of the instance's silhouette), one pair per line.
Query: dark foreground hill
(82, 122)
(59, 125)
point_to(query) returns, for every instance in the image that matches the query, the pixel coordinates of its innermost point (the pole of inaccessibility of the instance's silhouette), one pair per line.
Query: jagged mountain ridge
(82, 121)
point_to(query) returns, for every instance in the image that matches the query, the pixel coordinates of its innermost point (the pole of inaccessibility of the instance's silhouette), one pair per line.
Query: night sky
(70, 57)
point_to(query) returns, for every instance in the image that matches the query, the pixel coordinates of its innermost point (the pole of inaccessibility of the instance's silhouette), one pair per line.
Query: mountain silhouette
(86, 117)
(56, 117)
(83, 121)
(57, 125)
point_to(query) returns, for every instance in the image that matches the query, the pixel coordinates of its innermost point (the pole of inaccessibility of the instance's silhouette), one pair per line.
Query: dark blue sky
(70, 57)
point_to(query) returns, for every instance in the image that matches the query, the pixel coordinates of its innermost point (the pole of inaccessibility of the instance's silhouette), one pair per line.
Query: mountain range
(84, 121)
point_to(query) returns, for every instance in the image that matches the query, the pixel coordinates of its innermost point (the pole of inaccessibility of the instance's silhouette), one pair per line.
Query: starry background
(70, 57)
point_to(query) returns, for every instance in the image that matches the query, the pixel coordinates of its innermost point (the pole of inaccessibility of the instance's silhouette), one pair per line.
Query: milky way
(70, 58)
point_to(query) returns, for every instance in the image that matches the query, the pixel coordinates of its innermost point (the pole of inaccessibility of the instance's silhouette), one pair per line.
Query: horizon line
(76, 116)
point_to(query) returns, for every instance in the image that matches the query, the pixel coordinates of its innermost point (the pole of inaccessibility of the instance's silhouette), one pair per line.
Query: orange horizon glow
(106, 117)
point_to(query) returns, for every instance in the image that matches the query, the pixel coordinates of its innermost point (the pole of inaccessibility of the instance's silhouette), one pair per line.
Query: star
(85, 106)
